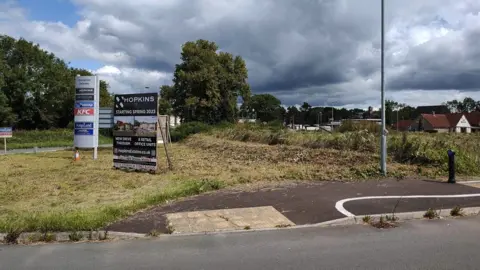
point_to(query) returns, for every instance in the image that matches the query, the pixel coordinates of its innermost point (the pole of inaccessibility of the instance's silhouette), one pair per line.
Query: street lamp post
(383, 144)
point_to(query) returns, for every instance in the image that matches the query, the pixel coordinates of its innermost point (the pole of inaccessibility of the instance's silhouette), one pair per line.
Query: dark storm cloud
(444, 63)
(322, 51)
(438, 80)
(307, 43)
(300, 77)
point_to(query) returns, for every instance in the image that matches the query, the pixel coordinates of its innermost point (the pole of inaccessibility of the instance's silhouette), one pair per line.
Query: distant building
(403, 125)
(442, 123)
(474, 120)
(435, 109)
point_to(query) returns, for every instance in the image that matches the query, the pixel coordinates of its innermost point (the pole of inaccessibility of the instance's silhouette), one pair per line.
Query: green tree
(207, 84)
(38, 87)
(466, 105)
(106, 98)
(7, 117)
(305, 112)
(292, 114)
(391, 108)
(267, 107)
(167, 98)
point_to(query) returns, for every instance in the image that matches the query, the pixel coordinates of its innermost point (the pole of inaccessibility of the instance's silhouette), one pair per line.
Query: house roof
(403, 124)
(450, 119)
(473, 118)
(437, 120)
(454, 118)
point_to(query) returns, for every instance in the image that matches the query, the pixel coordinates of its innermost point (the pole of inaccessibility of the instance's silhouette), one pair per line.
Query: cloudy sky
(325, 52)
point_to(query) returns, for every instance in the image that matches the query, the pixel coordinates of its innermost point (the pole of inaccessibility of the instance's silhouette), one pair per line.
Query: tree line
(37, 89)
(38, 92)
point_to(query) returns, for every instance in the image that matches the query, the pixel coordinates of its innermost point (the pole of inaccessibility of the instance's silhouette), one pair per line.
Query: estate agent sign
(135, 124)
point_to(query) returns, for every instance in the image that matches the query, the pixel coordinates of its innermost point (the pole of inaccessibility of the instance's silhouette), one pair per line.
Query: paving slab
(227, 220)
(472, 184)
(308, 203)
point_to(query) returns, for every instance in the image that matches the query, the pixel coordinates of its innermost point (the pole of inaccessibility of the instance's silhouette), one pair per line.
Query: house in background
(442, 123)
(403, 125)
(474, 120)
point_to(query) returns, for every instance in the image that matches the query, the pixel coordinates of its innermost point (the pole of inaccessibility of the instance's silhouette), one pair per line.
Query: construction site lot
(52, 192)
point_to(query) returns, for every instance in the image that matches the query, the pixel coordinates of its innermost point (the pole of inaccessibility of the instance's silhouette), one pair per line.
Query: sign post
(135, 131)
(86, 113)
(6, 132)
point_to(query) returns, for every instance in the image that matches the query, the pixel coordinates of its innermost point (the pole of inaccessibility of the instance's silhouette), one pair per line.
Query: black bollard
(451, 166)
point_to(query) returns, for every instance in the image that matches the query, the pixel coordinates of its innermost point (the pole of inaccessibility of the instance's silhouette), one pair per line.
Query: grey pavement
(43, 149)
(435, 244)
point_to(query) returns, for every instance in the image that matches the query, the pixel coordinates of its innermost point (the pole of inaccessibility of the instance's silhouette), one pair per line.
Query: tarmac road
(310, 203)
(438, 244)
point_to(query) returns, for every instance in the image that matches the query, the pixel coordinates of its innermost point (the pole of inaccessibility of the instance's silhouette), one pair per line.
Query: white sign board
(86, 111)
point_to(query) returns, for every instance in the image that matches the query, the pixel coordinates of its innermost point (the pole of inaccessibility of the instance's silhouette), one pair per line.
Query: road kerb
(405, 216)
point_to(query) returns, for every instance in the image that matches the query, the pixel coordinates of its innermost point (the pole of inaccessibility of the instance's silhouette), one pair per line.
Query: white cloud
(129, 80)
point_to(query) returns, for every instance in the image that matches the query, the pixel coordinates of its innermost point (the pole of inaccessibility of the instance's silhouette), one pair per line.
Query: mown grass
(49, 192)
(44, 138)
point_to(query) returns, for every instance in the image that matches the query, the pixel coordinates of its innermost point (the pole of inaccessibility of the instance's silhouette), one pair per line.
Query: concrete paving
(433, 244)
(227, 220)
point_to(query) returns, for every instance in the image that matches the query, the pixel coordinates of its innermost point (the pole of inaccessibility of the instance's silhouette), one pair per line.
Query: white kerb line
(340, 208)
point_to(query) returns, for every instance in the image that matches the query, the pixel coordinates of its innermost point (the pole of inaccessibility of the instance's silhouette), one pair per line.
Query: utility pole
(383, 143)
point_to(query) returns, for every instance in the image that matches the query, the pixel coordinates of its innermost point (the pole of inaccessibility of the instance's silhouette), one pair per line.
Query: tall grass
(411, 148)
(45, 138)
(351, 126)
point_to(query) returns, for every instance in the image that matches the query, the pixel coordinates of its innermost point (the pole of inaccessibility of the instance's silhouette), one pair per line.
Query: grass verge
(49, 192)
(45, 138)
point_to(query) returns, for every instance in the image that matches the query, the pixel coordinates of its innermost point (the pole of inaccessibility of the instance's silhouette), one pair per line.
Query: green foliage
(106, 98)
(466, 105)
(266, 107)
(457, 211)
(206, 84)
(167, 98)
(7, 116)
(431, 214)
(184, 130)
(75, 236)
(37, 89)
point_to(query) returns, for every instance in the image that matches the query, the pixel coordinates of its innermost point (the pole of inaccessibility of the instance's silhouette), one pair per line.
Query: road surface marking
(341, 209)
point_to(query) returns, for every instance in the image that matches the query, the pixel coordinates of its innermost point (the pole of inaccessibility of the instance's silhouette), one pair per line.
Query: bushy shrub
(184, 130)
